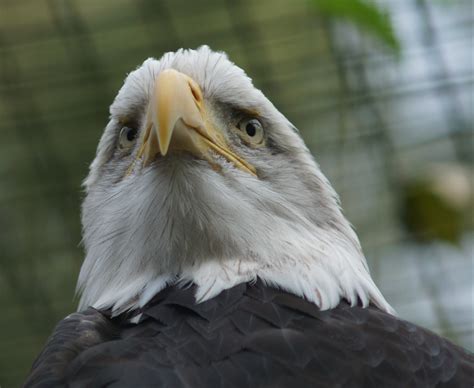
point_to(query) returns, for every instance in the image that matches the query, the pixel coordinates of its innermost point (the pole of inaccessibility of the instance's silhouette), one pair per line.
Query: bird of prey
(217, 254)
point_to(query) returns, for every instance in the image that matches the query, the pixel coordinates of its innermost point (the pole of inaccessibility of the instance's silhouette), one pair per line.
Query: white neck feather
(123, 271)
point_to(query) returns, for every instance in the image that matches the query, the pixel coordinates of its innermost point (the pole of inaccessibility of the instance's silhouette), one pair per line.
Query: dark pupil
(131, 133)
(250, 129)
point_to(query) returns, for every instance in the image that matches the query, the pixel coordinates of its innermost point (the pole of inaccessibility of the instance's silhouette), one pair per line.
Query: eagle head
(198, 178)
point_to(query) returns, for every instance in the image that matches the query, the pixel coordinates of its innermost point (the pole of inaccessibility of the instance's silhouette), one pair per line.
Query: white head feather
(179, 220)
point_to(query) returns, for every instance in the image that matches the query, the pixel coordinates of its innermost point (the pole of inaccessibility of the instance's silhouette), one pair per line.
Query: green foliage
(365, 14)
(429, 216)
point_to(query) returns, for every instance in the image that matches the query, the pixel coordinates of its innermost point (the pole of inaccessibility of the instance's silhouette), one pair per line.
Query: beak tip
(164, 145)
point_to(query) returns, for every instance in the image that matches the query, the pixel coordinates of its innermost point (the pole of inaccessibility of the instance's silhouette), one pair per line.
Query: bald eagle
(217, 254)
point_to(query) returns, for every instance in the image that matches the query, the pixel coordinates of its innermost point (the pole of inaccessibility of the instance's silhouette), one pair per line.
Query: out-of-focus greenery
(437, 205)
(364, 14)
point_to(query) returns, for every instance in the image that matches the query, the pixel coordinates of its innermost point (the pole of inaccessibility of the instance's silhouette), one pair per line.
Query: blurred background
(381, 92)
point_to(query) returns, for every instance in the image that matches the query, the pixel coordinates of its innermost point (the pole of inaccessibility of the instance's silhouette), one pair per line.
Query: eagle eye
(251, 131)
(127, 137)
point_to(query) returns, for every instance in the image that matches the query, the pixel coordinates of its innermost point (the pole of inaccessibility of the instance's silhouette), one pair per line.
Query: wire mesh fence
(374, 119)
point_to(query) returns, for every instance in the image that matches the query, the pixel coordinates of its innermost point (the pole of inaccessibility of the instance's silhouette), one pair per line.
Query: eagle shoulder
(251, 335)
(72, 336)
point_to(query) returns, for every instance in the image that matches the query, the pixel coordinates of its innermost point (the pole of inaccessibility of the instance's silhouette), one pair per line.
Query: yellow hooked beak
(177, 120)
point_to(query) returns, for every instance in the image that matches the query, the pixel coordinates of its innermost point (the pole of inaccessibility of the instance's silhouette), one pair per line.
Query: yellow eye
(251, 131)
(127, 137)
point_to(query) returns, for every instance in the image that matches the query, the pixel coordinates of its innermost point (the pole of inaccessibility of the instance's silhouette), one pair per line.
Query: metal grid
(369, 116)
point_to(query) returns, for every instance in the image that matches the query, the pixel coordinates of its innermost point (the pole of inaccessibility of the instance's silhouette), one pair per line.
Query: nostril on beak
(195, 92)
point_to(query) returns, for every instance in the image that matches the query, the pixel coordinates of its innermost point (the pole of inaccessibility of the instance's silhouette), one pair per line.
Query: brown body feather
(250, 335)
